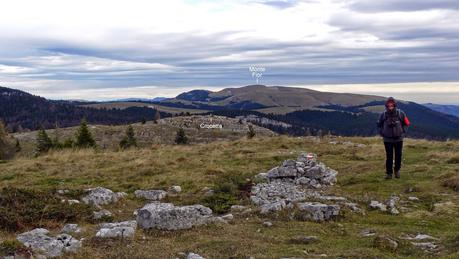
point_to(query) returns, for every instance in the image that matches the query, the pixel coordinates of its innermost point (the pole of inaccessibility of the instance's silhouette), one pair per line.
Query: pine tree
(18, 146)
(83, 137)
(181, 138)
(3, 141)
(157, 116)
(251, 132)
(43, 142)
(56, 138)
(129, 140)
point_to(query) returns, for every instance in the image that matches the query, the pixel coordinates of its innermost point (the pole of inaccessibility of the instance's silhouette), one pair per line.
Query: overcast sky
(108, 49)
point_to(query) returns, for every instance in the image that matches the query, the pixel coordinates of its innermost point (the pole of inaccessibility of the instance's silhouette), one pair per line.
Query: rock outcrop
(42, 244)
(166, 216)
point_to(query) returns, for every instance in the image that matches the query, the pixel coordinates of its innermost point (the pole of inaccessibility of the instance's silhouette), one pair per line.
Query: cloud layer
(101, 49)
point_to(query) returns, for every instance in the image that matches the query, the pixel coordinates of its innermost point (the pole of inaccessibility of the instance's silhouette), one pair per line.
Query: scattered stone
(166, 216)
(419, 237)
(428, 246)
(227, 217)
(71, 202)
(194, 256)
(376, 205)
(238, 208)
(46, 246)
(353, 206)
(413, 198)
(121, 195)
(391, 205)
(267, 224)
(385, 242)
(317, 211)
(175, 189)
(304, 240)
(100, 196)
(208, 191)
(102, 214)
(367, 233)
(71, 228)
(62, 192)
(154, 195)
(125, 229)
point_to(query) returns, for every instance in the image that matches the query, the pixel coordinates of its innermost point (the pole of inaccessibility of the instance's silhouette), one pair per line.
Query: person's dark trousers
(390, 148)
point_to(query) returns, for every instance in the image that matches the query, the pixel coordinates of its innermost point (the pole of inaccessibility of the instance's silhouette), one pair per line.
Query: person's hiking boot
(397, 174)
(388, 177)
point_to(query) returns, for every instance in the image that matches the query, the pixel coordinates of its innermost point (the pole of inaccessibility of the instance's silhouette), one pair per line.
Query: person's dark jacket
(385, 130)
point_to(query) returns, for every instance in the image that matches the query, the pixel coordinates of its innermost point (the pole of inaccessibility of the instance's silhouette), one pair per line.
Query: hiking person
(393, 124)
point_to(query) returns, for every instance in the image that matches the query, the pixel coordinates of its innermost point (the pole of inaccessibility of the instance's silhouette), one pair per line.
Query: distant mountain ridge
(254, 97)
(444, 108)
(307, 111)
(24, 111)
(315, 112)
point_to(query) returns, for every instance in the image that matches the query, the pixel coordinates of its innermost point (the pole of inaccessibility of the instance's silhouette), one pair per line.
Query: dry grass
(425, 170)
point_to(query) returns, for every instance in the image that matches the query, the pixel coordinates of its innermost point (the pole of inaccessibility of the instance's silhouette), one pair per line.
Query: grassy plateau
(430, 172)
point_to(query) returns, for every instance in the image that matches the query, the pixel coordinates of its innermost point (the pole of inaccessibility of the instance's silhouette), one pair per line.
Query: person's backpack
(392, 126)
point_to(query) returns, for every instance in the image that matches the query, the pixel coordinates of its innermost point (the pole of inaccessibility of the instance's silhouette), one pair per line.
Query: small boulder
(227, 217)
(125, 229)
(267, 224)
(166, 216)
(376, 205)
(427, 246)
(46, 246)
(121, 195)
(71, 228)
(385, 242)
(175, 189)
(153, 195)
(413, 198)
(367, 233)
(317, 211)
(100, 196)
(194, 256)
(102, 214)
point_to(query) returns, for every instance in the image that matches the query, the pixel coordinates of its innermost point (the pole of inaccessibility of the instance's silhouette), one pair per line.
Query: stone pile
(292, 183)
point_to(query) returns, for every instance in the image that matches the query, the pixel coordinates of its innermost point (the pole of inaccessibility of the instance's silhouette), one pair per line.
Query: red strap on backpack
(407, 121)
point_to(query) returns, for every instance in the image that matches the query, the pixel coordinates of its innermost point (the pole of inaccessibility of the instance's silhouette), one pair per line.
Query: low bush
(22, 209)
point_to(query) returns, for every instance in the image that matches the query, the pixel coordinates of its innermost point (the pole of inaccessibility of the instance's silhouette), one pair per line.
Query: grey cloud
(402, 5)
(279, 3)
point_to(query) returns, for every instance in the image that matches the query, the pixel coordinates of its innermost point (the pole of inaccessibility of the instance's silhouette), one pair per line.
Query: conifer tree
(129, 140)
(157, 116)
(181, 137)
(43, 142)
(251, 132)
(83, 137)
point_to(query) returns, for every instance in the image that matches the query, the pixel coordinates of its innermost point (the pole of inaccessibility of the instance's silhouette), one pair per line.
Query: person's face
(390, 106)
